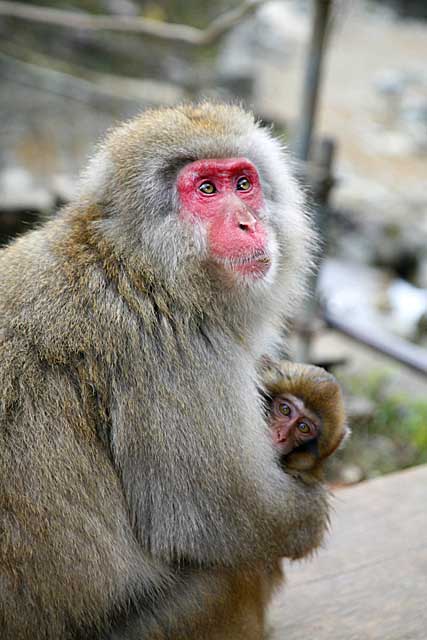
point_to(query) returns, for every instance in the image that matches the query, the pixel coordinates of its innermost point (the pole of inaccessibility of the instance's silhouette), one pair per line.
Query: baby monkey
(306, 415)
(307, 422)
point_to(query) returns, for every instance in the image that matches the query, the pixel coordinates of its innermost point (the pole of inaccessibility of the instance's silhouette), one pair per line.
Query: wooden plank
(370, 582)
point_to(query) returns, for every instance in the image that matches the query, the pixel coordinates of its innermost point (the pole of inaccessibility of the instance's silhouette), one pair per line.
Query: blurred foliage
(197, 13)
(389, 431)
(78, 51)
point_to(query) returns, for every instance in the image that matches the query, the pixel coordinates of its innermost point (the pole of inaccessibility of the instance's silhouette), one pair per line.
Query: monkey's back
(67, 552)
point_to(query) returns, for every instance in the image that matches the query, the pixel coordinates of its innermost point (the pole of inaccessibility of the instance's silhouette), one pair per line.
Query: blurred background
(344, 83)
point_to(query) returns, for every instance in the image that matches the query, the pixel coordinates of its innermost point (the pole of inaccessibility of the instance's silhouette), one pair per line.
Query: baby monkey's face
(292, 423)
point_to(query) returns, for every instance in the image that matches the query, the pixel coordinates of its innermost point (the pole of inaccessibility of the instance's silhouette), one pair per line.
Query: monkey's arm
(67, 552)
(214, 494)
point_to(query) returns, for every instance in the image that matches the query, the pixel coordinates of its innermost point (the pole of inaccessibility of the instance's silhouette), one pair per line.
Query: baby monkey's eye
(303, 427)
(208, 188)
(243, 184)
(284, 409)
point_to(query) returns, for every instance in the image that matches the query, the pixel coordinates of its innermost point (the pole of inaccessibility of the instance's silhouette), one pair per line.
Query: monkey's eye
(243, 184)
(208, 188)
(303, 427)
(284, 409)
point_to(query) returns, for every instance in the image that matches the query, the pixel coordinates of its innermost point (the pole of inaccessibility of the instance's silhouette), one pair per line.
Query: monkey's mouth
(255, 264)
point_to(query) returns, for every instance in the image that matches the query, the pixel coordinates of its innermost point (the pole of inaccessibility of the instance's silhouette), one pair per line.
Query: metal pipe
(392, 346)
(312, 79)
(304, 137)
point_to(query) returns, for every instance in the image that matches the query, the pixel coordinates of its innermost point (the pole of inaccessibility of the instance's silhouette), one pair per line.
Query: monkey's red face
(292, 423)
(225, 197)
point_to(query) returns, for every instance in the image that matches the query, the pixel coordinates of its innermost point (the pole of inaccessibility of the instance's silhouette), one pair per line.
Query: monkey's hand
(319, 396)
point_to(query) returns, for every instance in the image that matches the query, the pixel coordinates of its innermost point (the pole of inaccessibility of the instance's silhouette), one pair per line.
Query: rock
(360, 408)
(408, 304)
(421, 329)
(421, 277)
(390, 83)
(121, 7)
(18, 191)
(63, 187)
(236, 66)
(351, 474)
(414, 109)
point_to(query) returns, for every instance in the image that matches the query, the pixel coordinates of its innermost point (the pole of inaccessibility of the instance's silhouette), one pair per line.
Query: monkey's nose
(246, 221)
(280, 435)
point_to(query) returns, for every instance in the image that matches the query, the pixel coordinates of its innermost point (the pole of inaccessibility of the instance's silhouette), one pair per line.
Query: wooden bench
(370, 580)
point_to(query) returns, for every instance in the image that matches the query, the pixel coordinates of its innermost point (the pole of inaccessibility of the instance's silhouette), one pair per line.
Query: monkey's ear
(340, 442)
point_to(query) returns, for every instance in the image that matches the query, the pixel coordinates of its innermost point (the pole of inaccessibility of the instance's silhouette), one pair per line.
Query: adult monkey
(137, 474)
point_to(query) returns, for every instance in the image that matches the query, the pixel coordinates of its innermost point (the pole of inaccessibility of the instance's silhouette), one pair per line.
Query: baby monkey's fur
(322, 394)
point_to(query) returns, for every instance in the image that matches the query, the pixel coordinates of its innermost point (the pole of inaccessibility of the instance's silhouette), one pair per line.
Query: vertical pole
(304, 142)
(312, 79)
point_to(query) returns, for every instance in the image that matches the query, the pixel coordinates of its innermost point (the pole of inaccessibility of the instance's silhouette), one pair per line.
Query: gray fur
(132, 438)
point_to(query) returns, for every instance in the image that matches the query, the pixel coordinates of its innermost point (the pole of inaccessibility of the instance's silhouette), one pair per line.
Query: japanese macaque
(306, 414)
(138, 481)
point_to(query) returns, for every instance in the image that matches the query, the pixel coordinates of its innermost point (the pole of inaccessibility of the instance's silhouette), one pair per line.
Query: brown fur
(139, 490)
(321, 394)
